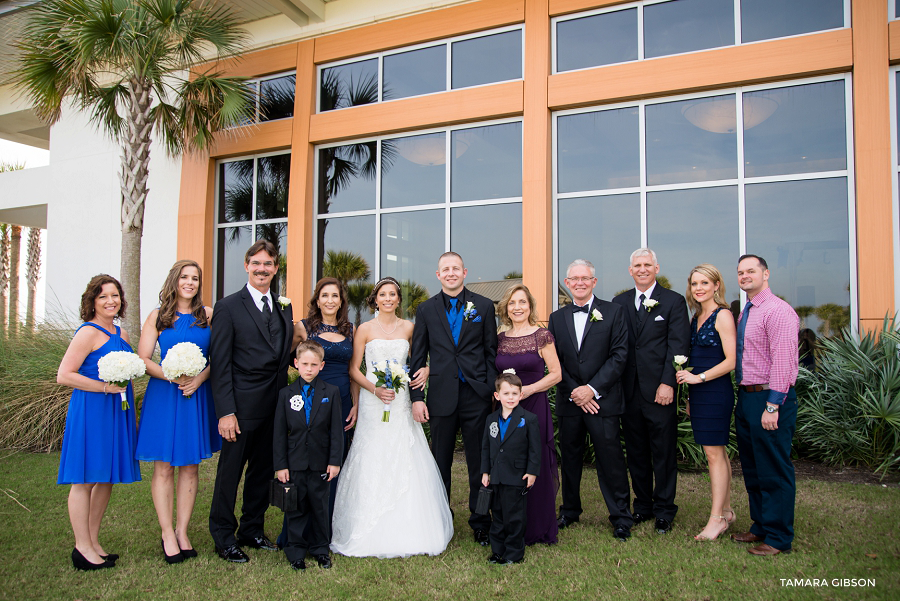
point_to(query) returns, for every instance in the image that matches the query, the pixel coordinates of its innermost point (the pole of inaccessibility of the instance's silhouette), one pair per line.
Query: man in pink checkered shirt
(766, 412)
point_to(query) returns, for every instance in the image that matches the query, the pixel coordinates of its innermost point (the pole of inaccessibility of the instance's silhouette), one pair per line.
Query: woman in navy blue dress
(711, 402)
(99, 439)
(178, 423)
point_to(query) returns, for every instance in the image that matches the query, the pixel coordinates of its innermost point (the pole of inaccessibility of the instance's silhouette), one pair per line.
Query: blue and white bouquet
(119, 368)
(183, 359)
(391, 375)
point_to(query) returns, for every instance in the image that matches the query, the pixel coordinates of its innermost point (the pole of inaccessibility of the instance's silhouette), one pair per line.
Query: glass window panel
(413, 170)
(486, 163)
(689, 227)
(687, 25)
(691, 140)
(897, 8)
(766, 19)
(342, 236)
(799, 129)
(897, 93)
(415, 72)
(347, 178)
(272, 177)
(233, 243)
(597, 40)
(410, 246)
(352, 84)
(604, 230)
(598, 150)
(276, 233)
(487, 59)
(236, 191)
(276, 98)
(489, 239)
(802, 230)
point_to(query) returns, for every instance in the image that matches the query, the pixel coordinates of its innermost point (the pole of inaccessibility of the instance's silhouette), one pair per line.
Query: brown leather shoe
(765, 549)
(746, 537)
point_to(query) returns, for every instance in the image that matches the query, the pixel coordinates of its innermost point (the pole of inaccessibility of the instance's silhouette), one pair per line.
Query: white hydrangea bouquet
(119, 368)
(392, 378)
(183, 359)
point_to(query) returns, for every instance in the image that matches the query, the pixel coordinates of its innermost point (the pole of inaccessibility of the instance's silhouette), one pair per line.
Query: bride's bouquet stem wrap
(390, 379)
(119, 368)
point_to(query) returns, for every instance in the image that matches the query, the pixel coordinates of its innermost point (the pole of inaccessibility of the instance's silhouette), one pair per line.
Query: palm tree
(32, 274)
(353, 271)
(357, 293)
(124, 62)
(413, 295)
(15, 244)
(4, 275)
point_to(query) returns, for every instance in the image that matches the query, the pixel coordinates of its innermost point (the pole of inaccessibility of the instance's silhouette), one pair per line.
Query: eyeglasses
(585, 280)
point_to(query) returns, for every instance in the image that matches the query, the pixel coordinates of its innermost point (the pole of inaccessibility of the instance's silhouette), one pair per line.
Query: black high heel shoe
(170, 559)
(81, 563)
(111, 557)
(189, 553)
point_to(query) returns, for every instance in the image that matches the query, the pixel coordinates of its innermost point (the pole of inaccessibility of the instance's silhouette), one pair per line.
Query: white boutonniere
(596, 315)
(284, 301)
(649, 303)
(297, 402)
(494, 430)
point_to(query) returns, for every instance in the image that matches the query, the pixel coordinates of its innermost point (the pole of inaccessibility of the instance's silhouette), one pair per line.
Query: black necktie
(267, 317)
(583, 309)
(641, 311)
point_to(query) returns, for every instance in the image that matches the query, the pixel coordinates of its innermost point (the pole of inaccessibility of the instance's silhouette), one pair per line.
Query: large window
(680, 176)
(390, 206)
(461, 62)
(895, 154)
(273, 96)
(252, 199)
(653, 28)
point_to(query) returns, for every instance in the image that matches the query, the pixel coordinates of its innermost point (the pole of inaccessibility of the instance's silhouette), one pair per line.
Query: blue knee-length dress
(174, 428)
(712, 402)
(99, 439)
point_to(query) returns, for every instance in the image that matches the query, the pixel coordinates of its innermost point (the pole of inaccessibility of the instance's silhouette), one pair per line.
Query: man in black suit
(592, 342)
(249, 351)
(658, 329)
(456, 329)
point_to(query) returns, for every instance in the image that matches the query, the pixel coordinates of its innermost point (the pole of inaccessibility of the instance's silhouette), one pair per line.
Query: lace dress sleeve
(543, 337)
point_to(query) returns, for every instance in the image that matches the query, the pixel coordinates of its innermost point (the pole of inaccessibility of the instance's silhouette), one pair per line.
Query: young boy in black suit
(308, 448)
(510, 454)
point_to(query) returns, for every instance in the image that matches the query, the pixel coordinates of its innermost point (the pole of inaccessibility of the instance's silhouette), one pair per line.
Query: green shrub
(849, 408)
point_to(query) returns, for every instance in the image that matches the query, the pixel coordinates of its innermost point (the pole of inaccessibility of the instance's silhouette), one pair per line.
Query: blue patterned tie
(742, 327)
(307, 400)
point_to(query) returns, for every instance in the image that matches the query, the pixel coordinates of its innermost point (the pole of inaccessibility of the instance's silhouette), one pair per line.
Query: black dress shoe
(234, 554)
(111, 557)
(663, 526)
(639, 517)
(170, 559)
(258, 542)
(622, 533)
(189, 553)
(324, 561)
(565, 521)
(495, 558)
(79, 562)
(298, 565)
(481, 537)
(509, 562)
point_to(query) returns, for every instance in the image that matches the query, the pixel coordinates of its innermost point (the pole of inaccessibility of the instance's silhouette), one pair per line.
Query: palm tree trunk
(4, 275)
(15, 244)
(133, 181)
(32, 274)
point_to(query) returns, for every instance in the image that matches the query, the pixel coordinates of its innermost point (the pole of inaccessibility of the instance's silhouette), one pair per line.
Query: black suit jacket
(518, 454)
(474, 355)
(599, 363)
(316, 445)
(246, 370)
(652, 346)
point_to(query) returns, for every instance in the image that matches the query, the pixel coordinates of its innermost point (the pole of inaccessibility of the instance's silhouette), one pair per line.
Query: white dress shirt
(638, 293)
(580, 323)
(257, 297)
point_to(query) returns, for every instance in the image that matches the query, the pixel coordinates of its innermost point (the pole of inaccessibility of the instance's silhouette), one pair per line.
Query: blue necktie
(454, 318)
(742, 327)
(307, 400)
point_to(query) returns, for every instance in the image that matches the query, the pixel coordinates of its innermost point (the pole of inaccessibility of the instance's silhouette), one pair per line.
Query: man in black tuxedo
(658, 329)
(457, 330)
(249, 352)
(592, 342)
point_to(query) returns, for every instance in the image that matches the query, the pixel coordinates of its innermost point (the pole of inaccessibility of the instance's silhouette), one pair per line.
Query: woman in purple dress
(528, 348)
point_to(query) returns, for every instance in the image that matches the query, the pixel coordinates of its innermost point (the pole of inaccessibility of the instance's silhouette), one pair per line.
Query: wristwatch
(771, 408)
(703, 377)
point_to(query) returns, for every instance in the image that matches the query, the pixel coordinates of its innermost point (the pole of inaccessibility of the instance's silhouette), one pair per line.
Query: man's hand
(283, 476)
(665, 394)
(583, 396)
(332, 472)
(769, 420)
(420, 412)
(420, 378)
(228, 428)
(485, 479)
(529, 479)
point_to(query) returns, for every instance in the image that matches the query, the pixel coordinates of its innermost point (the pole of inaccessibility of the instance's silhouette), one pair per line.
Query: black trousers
(611, 472)
(508, 521)
(650, 431)
(253, 449)
(470, 416)
(308, 528)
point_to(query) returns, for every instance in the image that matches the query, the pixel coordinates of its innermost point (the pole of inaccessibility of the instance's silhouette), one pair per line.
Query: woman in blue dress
(99, 439)
(178, 423)
(713, 339)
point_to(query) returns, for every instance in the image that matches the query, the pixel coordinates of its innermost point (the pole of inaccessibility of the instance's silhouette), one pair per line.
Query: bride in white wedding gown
(390, 500)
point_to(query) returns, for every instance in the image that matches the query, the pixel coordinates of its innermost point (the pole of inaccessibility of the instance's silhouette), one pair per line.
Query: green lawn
(843, 531)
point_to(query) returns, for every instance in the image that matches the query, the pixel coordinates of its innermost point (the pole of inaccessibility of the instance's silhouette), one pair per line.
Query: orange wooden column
(872, 131)
(537, 200)
(300, 195)
(196, 216)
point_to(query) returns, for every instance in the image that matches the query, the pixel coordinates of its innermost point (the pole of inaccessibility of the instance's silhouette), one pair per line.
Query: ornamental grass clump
(849, 408)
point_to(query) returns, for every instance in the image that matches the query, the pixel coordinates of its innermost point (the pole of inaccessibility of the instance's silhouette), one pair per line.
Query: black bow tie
(583, 309)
